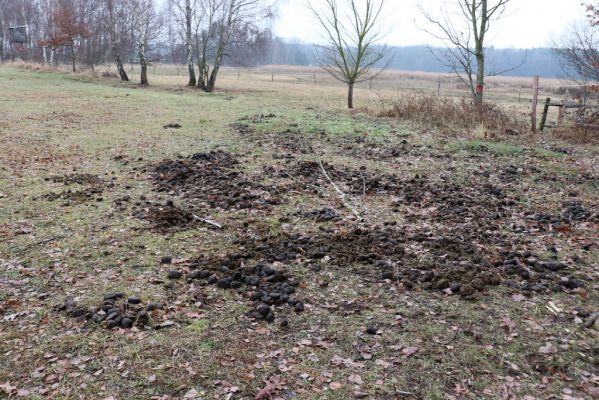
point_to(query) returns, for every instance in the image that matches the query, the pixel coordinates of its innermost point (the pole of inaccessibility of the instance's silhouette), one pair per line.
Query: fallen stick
(342, 195)
(207, 221)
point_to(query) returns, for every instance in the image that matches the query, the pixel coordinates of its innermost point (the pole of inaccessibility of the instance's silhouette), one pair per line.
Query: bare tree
(592, 11)
(147, 27)
(465, 37)
(2, 30)
(579, 53)
(114, 14)
(219, 20)
(68, 30)
(186, 14)
(351, 34)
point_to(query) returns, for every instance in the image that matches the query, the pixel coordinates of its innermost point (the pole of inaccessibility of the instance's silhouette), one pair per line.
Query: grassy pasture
(60, 240)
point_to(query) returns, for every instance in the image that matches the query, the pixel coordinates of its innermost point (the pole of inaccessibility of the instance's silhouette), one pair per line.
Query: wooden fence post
(439, 88)
(535, 101)
(545, 112)
(272, 79)
(562, 112)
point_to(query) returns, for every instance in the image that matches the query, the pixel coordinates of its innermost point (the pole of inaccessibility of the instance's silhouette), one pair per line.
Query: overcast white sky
(527, 24)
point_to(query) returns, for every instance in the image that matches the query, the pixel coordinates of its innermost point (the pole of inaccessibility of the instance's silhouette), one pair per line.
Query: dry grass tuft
(578, 134)
(449, 115)
(61, 68)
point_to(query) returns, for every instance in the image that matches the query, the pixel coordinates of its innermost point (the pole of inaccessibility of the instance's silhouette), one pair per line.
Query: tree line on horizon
(208, 34)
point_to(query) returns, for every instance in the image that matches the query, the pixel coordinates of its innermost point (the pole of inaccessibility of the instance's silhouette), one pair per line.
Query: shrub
(449, 115)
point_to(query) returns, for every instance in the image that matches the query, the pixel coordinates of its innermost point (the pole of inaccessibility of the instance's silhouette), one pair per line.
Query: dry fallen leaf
(518, 297)
(191, 394)
(408, 351)
(547, 349)
(355, 378)
(335, 385)
(7, 388)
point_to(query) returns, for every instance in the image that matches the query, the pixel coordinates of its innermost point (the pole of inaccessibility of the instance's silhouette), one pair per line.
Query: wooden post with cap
(535, 101)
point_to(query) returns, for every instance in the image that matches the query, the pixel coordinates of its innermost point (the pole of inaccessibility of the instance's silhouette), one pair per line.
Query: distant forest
(539, 61)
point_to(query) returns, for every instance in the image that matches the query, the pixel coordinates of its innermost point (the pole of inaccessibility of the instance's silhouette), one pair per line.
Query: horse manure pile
(530, 273)
(452, 262)
(322, 215)
(94, 187)
(116, 311)
(242, 128)
(269, 290)
(80, 179)
(455, 203)
(76, 196)
(572, 213)
(213, 179)
(309, 174)
(164, 217)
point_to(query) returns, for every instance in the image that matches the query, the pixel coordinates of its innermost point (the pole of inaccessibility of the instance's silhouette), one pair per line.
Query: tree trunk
(1, 41)
(144, 74)
(188, 44)
(201, 77)
(73, 57)
(113, 48)
(211, 84)
(212, 81)
(479, 38)
(480, 78)
(350, 96)
(144, 63)
(119, 66)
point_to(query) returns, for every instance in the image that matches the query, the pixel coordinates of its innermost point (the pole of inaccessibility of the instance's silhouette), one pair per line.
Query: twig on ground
(342, 195)
(403, 393)
(207, 221)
